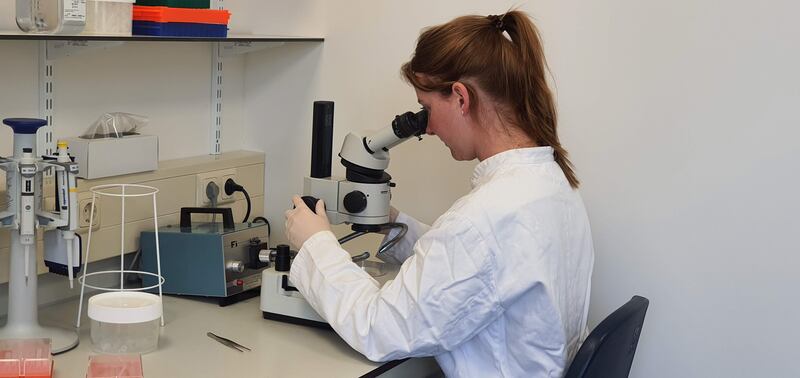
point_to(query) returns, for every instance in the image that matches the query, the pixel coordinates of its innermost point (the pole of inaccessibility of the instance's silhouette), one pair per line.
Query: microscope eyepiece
(409, 123)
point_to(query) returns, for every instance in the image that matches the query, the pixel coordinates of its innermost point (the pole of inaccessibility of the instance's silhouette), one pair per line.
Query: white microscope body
(23, 215)
(361, 199)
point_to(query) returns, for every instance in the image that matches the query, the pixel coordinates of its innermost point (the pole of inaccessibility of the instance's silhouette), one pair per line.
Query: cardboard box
(106, 157)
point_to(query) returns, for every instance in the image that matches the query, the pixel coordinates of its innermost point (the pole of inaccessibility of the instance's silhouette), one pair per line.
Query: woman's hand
(302, 223)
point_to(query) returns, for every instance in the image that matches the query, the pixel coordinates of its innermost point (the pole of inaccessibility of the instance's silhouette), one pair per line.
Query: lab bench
(278, 349)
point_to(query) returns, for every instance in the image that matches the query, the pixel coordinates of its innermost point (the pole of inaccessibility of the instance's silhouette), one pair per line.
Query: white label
(75, 10)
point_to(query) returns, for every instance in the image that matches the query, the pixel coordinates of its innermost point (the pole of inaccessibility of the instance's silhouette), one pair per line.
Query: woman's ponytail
(503, 54)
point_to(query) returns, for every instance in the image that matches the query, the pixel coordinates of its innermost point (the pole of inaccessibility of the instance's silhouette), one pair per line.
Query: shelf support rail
(44, 136)
(215, 131)
(216, 99)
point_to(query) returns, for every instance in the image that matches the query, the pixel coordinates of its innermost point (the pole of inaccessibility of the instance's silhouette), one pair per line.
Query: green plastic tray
(199, 4)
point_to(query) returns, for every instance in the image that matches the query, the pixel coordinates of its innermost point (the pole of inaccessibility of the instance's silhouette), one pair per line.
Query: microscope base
(61, 340)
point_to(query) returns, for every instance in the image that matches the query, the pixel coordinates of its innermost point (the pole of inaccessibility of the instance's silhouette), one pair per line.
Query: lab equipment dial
(355, 201)
(234, 266)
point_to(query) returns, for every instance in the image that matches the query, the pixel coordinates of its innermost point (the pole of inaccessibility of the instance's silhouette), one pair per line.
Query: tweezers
(228, 343)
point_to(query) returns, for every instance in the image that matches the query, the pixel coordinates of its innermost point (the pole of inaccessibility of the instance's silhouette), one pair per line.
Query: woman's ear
(462, 95)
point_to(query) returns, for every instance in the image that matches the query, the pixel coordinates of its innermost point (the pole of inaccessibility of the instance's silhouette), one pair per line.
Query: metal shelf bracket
(61, 49)
(236, 48)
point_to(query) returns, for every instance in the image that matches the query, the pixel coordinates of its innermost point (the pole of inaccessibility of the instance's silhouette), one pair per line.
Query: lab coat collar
(529, 155)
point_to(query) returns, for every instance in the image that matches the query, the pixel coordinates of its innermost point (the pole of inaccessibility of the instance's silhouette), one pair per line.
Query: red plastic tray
(187, 15)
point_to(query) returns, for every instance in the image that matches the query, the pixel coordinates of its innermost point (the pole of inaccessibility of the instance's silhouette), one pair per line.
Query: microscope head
(366, 157)
(362, 197)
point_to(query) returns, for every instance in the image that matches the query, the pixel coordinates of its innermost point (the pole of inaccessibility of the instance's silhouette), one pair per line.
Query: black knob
(311, 202)
(283, 257)
(355, 201)
(254, 252)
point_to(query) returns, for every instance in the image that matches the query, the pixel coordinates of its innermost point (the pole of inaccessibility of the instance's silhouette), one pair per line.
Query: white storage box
(106, 157)
(125, 322)
(109, 17)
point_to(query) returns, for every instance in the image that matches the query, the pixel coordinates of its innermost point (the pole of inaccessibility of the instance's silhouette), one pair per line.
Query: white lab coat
(498, 286)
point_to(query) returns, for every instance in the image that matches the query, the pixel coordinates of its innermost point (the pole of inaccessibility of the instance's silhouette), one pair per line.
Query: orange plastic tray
(167, 14)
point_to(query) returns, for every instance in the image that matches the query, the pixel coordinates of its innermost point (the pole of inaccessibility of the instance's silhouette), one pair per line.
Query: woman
(499, 284)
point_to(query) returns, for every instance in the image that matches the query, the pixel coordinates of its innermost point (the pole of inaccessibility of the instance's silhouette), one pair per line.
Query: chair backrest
(609, 349)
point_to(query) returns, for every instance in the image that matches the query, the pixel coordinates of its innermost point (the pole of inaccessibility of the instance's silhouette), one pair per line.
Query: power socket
(223, 195)
(85, 214)
(218, 178)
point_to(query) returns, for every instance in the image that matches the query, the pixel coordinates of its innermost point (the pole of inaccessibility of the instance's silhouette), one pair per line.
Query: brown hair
(503, 55)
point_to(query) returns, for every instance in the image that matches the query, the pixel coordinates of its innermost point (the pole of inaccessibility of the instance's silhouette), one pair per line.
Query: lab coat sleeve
(405, 246)
(443, 295)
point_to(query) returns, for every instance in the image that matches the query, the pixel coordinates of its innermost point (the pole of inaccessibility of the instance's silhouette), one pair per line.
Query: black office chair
(608, 351)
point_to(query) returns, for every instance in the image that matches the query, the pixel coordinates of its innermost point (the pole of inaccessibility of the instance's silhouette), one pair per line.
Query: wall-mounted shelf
(11, 35)
(56, 46)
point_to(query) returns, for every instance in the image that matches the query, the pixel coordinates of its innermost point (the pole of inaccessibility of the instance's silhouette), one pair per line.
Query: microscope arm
(372, 150)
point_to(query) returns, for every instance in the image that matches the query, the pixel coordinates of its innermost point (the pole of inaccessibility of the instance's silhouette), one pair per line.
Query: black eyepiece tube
(322, 139)
(408, 124)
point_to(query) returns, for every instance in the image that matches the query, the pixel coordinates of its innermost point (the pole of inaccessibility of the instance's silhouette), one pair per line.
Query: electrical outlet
(223, 195)
(218, 178)
(203, 180)
(85, 214)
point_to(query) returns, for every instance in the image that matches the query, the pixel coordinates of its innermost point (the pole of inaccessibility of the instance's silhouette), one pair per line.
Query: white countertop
(184, 350)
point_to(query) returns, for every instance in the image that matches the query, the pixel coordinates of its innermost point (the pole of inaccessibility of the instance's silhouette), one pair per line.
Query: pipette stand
(23, 215)
(23, 306)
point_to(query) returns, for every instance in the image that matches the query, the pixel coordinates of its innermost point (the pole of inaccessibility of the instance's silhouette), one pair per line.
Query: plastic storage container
(109, 17)
(179, 29)
(124, 322)
(118, 366)
(165, 14)
(203, 4)
(28, 358)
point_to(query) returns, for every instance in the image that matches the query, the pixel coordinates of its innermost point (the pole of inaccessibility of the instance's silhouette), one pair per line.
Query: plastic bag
(116, 125)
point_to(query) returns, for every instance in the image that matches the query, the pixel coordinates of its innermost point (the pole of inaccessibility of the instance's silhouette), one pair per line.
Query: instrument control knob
(263, 255)
(355, 201)
(283, 258)
(234, 266)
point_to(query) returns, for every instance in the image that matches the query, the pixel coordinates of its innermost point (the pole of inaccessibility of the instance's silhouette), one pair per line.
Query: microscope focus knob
(283, 258)
(355, 201)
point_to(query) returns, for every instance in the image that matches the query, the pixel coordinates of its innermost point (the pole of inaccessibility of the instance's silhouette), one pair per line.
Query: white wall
(681, 119)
